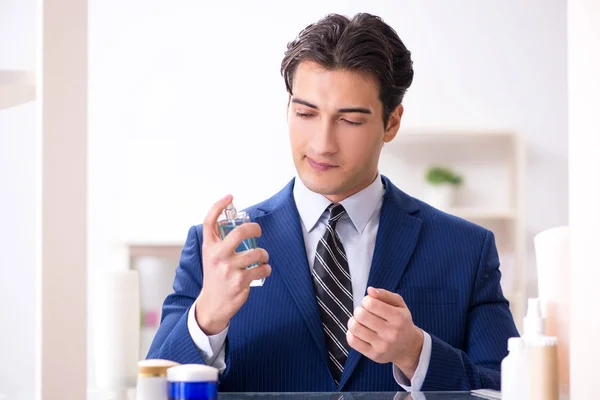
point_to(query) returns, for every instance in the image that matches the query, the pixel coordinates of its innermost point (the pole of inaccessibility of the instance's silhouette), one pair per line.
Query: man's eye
(352, 123)
(303, 115)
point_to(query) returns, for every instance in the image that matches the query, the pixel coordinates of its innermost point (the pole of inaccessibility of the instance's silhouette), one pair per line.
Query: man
(368, 288)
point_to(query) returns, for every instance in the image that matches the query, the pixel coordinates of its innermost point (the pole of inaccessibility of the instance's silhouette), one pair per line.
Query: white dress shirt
(357, 230)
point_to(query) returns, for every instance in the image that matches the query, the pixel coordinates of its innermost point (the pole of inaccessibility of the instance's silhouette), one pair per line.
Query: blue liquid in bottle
(247, 244)
(233, 219)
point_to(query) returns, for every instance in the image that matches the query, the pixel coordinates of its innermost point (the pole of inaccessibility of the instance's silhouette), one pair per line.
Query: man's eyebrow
(304, 103)
(360, 110)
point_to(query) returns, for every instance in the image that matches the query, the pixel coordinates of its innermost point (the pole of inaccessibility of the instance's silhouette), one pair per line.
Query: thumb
(393, 299)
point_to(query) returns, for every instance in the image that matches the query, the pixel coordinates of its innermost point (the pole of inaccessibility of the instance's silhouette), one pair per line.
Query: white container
(514, 371)
(193, 382)
(116, 324)
(152, 379)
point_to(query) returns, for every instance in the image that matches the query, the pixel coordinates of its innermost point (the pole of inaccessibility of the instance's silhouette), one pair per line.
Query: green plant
(437, 175)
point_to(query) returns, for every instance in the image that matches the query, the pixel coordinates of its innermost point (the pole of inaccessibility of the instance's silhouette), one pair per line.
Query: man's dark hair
(364, 43)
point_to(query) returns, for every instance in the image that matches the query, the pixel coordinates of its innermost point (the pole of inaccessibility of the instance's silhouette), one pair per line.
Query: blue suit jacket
(445, 268)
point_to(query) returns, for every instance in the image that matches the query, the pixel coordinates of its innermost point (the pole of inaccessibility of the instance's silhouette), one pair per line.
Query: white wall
(179, 88)
(18, 174)
(17, 245)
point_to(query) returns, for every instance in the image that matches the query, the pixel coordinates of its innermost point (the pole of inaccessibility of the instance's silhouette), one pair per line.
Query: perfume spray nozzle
(230, 212)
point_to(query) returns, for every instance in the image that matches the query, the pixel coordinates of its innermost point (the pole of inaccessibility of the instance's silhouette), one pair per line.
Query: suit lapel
(397, 237)
(282, 237)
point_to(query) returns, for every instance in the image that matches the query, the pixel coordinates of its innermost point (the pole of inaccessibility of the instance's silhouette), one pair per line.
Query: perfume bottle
(230, 219)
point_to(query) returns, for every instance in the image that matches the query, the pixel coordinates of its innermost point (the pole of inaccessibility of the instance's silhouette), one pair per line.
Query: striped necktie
(333, 288)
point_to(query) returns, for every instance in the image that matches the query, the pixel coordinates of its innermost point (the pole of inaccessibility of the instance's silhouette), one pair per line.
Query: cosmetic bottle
(229, 220)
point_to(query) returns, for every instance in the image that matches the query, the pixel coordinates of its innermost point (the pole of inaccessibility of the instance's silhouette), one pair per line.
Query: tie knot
(335, 213)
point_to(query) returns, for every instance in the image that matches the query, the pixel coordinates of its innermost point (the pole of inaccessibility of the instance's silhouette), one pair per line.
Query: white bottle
(514, 371)
(152, 379)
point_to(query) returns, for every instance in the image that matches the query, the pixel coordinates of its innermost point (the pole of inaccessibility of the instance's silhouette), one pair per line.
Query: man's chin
(320, 184)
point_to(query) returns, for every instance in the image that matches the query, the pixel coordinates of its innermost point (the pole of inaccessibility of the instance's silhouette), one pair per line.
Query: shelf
(155, 249)
(443, 137)
(436, 134)
(16, 87)
(483, 214)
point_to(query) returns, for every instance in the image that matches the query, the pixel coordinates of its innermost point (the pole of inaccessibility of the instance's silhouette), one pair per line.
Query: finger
(361, 331)
(240, 233)
(393, 299)
(244, 259)
(256, 273)
(358, 344)
(209, 226)
(369, 320)
(380, 309)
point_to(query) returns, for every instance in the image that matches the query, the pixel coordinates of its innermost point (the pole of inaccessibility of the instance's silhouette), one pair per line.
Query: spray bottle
(231, 219)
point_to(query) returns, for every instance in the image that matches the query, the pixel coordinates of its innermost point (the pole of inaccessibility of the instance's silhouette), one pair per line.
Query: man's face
(336, 129)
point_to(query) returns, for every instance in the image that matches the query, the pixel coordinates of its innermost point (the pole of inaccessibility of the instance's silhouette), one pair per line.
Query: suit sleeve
(489, 325)
(173, 340)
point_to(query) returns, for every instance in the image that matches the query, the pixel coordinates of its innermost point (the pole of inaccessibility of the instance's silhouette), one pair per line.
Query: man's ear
(393, 124)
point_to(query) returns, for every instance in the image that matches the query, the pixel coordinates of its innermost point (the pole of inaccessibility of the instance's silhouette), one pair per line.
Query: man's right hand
(226, 280)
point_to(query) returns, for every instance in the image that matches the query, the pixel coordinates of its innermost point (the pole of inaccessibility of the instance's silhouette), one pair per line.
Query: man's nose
(324, 140)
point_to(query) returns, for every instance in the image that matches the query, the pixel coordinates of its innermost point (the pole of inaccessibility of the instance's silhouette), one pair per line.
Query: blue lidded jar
(192, 382)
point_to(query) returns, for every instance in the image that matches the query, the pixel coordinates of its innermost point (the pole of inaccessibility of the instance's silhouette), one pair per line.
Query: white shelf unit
(156, 280)
(16, 87)
(482, 213)
(492, 164)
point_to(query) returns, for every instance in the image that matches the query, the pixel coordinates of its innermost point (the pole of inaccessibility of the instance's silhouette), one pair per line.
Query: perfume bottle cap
(230, 212)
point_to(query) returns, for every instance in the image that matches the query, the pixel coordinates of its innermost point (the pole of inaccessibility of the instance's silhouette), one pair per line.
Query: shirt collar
(359, 207)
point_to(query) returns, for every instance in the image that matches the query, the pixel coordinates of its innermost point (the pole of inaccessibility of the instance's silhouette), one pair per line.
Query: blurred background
(174, 86)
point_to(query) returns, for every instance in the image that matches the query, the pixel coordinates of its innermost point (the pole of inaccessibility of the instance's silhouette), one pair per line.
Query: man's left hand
(383, 330)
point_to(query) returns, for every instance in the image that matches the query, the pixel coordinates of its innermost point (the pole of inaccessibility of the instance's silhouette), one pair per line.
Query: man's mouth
(319, 166)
